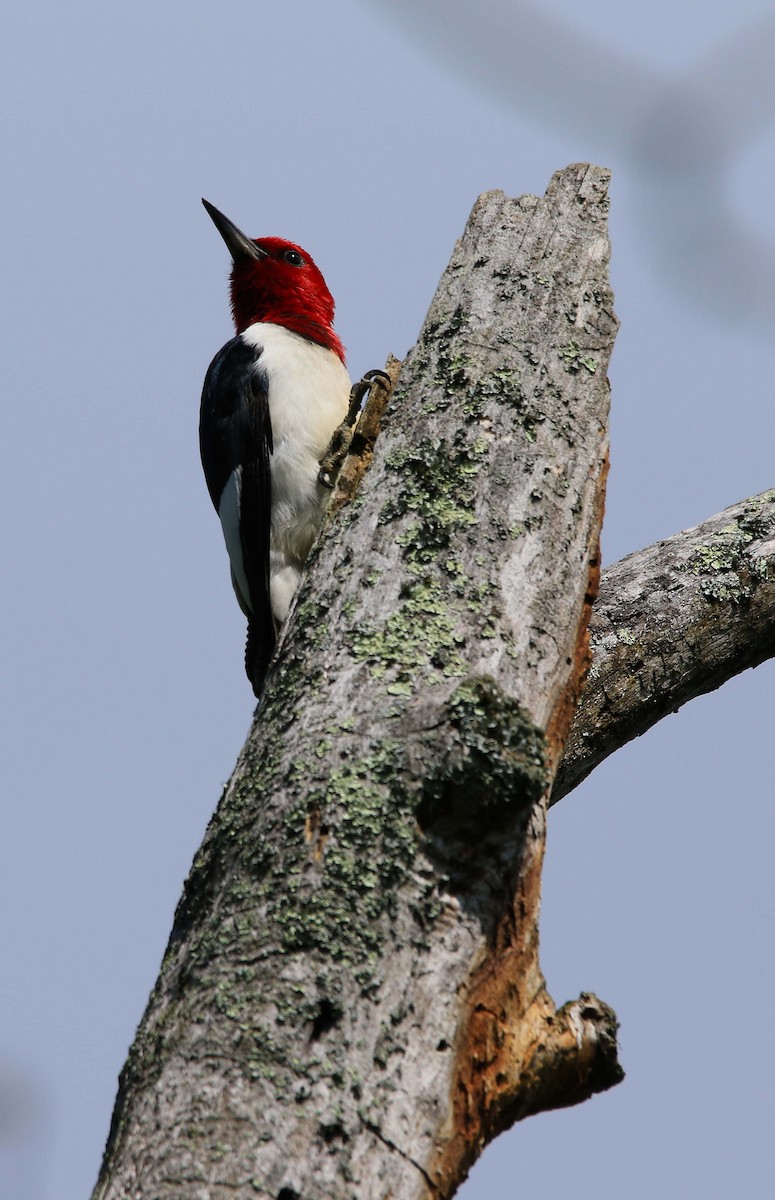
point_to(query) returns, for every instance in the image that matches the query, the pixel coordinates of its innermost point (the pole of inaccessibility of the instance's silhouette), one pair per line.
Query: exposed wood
(351, 1003)
(671, 622)
(361, 449)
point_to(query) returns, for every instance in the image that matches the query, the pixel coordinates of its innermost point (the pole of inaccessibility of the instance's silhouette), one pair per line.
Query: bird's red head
(274, 280)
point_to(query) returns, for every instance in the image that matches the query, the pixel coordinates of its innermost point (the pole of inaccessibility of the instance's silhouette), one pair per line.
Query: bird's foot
(331, 462)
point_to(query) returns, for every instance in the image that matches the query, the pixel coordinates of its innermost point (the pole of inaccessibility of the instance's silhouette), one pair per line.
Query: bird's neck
(304, 324)
(304, 312)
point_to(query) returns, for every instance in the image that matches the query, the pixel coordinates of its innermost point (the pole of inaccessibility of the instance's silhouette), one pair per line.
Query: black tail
(259, 649)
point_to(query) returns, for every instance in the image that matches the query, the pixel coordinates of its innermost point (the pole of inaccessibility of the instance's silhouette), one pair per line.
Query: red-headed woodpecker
(272, 399)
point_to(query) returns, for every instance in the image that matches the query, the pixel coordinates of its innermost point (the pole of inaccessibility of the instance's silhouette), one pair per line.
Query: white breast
(309, 391)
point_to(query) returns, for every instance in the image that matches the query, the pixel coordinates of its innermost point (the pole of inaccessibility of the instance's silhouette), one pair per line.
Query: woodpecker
(272, 399)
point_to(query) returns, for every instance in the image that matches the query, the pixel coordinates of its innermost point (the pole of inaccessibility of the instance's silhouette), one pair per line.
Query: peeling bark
(351, 1003)
(671, 622)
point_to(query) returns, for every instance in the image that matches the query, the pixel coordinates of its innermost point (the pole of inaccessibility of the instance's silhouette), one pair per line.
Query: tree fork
(351, 1003)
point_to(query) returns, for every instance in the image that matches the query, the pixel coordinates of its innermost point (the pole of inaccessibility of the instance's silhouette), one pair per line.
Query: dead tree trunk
(351, 1003)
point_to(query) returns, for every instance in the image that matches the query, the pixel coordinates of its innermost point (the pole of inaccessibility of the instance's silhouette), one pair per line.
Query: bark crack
(406, 1157)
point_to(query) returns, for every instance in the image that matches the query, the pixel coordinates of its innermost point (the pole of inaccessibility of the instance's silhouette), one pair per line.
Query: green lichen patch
(574, 359)
(373, 838)
(421, 636)
(443, 338)
(418, 636)
(626, 637)
(453, 376)
(495, 757)
(728, 573)
(439, 486)
(504, 387)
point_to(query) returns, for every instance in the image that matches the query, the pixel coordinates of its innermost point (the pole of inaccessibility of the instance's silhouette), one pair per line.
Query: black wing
(235, 442)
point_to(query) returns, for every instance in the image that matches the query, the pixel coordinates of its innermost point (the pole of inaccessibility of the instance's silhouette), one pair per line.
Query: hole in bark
(327, 1018)
(330, 1133)
(316, 833)
(287, 1193)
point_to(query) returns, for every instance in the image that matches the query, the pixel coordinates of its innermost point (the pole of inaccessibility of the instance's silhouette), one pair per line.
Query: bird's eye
(294, 258)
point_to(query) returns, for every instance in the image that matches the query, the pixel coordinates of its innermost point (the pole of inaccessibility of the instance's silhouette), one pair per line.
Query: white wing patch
(229, 513)
(283, 580)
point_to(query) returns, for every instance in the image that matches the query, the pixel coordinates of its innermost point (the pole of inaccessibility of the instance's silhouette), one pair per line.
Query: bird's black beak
(240, 247)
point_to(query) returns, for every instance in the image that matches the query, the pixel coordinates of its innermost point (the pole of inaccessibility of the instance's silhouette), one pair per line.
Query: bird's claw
(338, 447)
(335, 455)
(360, 390)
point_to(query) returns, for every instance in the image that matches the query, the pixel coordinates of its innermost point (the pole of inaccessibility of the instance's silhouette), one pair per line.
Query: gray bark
(671, 622)
(351, 1003)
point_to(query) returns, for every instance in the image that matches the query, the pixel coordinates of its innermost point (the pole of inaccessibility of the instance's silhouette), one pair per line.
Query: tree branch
(671, 622)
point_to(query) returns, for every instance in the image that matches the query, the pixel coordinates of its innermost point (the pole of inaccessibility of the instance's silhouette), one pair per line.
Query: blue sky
(364, 131)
